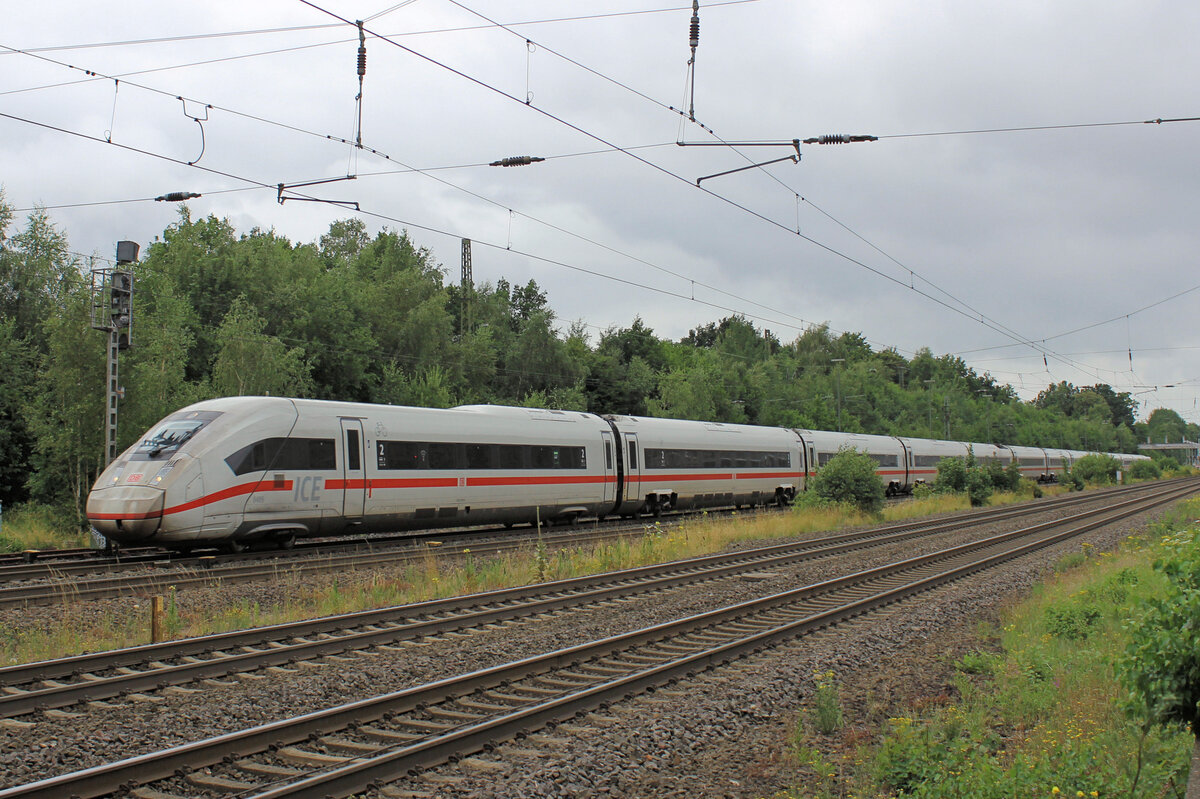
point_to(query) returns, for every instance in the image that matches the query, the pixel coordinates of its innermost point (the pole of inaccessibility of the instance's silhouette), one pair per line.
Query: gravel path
(722, 734)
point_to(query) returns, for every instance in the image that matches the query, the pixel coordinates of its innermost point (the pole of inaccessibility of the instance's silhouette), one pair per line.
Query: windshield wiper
(159, 443)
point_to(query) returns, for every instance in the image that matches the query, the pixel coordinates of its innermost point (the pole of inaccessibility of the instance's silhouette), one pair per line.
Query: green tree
(16, 439)
(67, 418)
(249, 362)
(156, 365)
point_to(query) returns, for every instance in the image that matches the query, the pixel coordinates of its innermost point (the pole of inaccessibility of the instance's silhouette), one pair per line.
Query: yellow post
(156, 619)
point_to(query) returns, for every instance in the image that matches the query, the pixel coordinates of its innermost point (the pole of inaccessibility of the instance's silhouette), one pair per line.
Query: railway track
(355, 747)
(61, 564)
(69, 682)
(80, 583)
(50, 685)
(151, 571)
(34, 564)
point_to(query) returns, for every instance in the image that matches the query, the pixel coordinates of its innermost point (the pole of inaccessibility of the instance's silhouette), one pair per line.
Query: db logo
(133, 478)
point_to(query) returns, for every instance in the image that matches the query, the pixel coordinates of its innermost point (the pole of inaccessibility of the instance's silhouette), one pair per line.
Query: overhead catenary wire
(331, 25)
(1159, 121)
(973, 313)
(381, 154)
(626, 151)
(804, 324)
(627, 148)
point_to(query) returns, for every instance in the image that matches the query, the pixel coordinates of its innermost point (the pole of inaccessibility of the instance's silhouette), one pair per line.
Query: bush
(1161, 665)
(996, 475)
(1012, 474)
(1071, 622)
(1071, 480)
(1096, 469)
(969, 475)
(850, 477)
(1145, 470)
(979, 486)
(951, 474)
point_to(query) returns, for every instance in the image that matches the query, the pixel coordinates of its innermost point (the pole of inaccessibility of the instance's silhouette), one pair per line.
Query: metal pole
(837, 381)
(112, 394)
(467, 285)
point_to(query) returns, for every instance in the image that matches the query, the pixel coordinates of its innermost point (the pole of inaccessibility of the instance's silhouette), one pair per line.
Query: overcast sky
(965, 242)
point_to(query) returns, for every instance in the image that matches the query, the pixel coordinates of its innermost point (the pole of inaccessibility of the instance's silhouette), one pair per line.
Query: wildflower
(1055, 791)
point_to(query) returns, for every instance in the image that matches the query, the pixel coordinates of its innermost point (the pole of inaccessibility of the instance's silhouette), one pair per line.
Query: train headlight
(163, 472)
(119, 470)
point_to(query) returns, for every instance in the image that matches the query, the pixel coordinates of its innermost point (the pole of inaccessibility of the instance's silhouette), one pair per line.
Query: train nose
(126, 513)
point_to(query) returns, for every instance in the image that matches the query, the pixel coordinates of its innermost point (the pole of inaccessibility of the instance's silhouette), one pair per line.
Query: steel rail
(587, 677)
(241, 572)
(230, 569)
(288, 643)
(73, 563)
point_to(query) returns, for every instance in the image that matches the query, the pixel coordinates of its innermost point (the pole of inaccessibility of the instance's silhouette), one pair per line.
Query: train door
(353, 473)
(633, 469)
(610, 472)
(906, 456)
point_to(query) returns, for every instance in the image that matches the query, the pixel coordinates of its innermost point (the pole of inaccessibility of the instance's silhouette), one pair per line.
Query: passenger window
(633, 455)
(353, 461)
(608, 456)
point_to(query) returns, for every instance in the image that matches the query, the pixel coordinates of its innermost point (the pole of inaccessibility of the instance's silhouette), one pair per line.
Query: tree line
(374, 319)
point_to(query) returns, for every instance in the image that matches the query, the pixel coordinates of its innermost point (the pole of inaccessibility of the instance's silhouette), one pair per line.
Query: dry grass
(443, 572)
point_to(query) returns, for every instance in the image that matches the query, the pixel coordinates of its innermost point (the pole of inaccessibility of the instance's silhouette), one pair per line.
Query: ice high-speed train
(232, 471)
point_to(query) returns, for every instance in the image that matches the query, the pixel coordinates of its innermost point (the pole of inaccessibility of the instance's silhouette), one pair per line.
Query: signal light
(121, 297)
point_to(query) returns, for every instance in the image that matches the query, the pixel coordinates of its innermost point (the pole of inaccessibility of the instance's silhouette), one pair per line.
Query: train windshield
(172, 433)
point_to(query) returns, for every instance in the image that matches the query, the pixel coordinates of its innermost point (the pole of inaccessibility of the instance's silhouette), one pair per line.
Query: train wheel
(234, 547)
(287, 542)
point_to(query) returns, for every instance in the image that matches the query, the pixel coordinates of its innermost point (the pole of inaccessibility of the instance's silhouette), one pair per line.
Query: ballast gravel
(723, 733)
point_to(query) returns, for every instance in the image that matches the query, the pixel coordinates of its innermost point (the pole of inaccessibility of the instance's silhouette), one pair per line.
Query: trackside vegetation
(1089, 688)
(441, 572)
(849, 477)
(373, 316)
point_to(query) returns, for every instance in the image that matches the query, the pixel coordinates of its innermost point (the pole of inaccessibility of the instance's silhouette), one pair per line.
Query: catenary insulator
(517, 160)
(176, 197)
(694, 39)
(839, 138)
(362, 51)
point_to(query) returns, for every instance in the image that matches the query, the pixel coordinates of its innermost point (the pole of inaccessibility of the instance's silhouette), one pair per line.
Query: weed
(976, 662)
(1070, 561)
(540, 562)
(1072, 622)
(827, 705)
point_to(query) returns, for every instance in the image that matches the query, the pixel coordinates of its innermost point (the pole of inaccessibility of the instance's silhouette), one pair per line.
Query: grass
(443, 572)
(39, 527)
(1038, 712)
